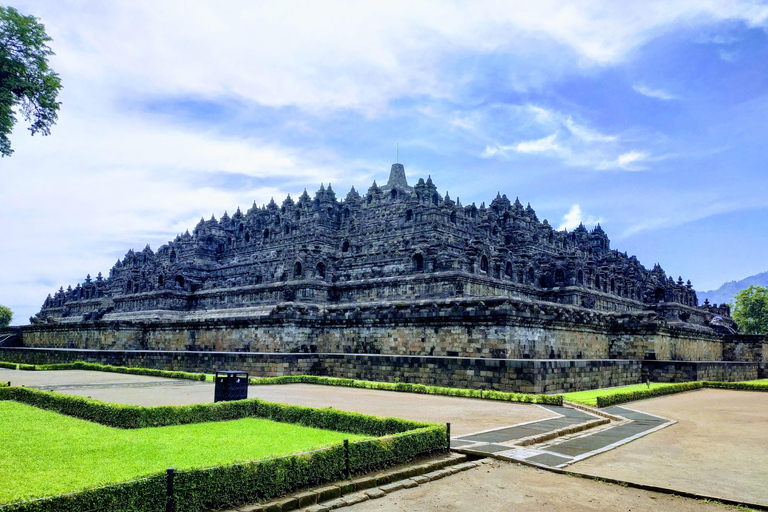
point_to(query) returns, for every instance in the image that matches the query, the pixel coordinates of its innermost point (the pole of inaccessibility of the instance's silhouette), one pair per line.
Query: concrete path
(504, 443)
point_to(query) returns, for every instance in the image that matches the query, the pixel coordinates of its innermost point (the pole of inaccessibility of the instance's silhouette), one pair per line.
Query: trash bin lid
(232, 373)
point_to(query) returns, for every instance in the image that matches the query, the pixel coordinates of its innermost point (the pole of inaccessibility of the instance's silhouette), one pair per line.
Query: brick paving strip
(515, 443)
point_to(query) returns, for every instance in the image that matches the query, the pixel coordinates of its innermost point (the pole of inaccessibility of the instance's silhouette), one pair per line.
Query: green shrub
(231, 485)
(16, 366)
(744, 386)
(134, 416)
(80, 365)
(6, 315)
(406, 387)
(143, 495)
(234, 484)
(619, 398)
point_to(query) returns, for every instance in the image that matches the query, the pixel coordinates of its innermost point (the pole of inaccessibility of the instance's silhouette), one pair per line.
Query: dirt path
(505, 487)
(719, 447)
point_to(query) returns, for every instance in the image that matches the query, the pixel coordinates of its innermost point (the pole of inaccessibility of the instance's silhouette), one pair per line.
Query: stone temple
(405, 272)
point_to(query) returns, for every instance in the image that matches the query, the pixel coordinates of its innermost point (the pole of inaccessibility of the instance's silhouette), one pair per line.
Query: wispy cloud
(659, 94)
(538, 146)
(543, 145)
(574, 217)
(630, 161)
(114, 175)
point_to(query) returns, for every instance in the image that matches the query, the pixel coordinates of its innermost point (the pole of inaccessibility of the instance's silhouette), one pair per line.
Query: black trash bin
(231, 385)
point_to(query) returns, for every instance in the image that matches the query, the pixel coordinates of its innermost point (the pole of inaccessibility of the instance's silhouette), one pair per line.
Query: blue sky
(646, 117)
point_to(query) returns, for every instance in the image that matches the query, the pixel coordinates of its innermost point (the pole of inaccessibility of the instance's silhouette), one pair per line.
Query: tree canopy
(26, 81)
(751, 310)
(6, 315)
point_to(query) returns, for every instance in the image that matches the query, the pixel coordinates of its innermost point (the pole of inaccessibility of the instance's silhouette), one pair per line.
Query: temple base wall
(518, 375)
(473, 333)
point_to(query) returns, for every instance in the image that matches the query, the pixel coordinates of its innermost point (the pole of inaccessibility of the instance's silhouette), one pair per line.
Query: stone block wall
(526, 375)
(502, 328)
(684, 371)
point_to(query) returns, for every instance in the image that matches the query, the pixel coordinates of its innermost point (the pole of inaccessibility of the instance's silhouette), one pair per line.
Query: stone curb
(350, 492)
(380, 492)
(593, 410)
(546, 436)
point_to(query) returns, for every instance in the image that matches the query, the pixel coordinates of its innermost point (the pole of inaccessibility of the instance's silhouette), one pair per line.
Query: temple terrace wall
(500, 328)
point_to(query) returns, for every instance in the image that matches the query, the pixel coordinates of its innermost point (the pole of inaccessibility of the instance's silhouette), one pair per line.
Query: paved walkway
(500, 443)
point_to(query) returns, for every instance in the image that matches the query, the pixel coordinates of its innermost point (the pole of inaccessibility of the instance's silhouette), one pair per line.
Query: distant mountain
(726, 292)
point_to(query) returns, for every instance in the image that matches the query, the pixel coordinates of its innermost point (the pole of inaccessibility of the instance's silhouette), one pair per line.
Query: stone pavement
(567, 448)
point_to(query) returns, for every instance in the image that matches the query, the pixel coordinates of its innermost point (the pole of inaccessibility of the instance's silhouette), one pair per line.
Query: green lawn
(44, 453)
(590, 397)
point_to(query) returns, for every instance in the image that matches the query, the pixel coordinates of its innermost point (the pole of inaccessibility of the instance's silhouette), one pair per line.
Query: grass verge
(612, 396)
(227, 485)
(590, 397)
(62, 454)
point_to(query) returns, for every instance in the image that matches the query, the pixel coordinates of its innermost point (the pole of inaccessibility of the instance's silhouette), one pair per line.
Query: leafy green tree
(751, 310)
(6, 315)
(26, 81)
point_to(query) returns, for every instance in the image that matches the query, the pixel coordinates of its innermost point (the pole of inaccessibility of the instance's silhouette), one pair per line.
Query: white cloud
(334, 54)
(587, 134)
(113, 177)
(574, 217)
(538, 146)
(653, 93)
(543, 145)
(628, 161)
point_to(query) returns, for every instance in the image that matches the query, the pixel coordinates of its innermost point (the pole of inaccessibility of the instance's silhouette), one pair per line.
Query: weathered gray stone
(375, 493)
(502, 299)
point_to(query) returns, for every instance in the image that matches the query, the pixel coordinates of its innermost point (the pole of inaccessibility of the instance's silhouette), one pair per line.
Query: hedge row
(80, 365)
(232, 485)
(16, 366)
(134, 416)
(412, 388)
(745, 386)
(620, 398)
(312, 379)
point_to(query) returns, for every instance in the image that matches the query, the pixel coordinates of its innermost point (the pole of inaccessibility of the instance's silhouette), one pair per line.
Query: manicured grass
(44, 453)
(590, 397)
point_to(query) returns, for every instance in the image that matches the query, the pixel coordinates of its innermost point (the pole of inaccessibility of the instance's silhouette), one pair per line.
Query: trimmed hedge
(312, 379)
(135, 416)
(81, 365)
(16, 366)
(744, 386)
(412, 388)
(620, 398)
(234, 484)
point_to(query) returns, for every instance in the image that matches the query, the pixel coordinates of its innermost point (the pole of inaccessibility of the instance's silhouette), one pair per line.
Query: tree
(6, 315)
(26, 81)
(751, 310)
